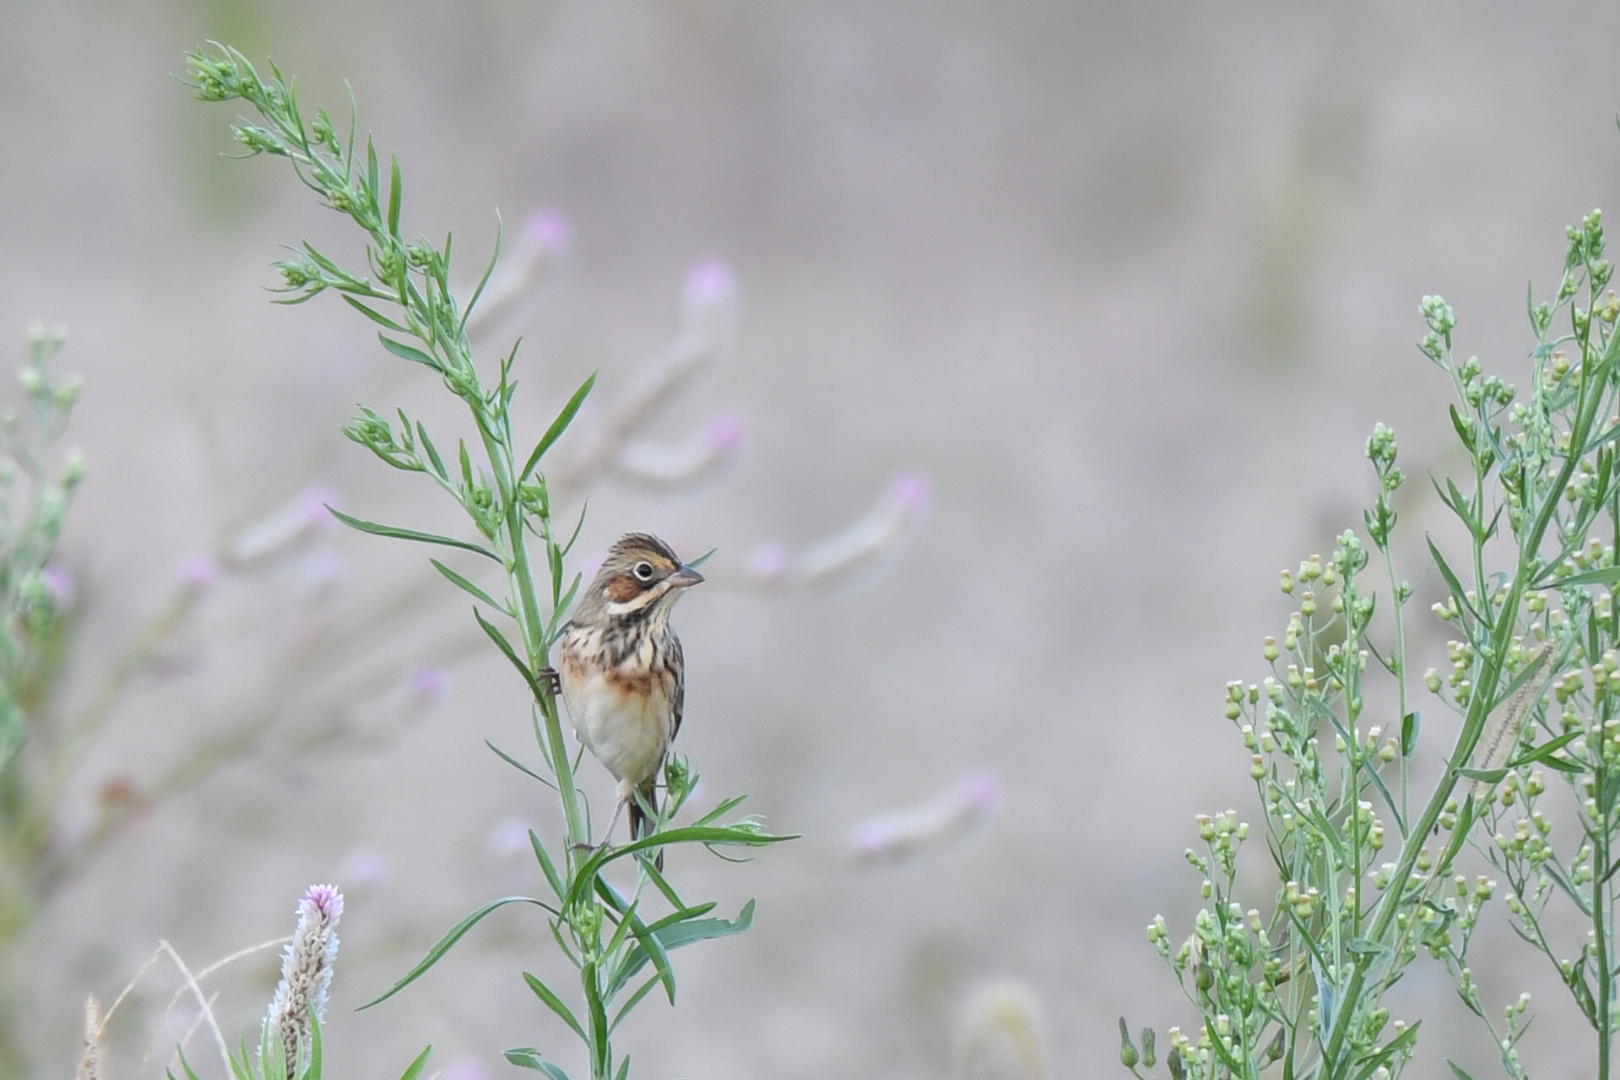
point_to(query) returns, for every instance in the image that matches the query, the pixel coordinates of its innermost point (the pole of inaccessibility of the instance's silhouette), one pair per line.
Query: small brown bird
(622, 672)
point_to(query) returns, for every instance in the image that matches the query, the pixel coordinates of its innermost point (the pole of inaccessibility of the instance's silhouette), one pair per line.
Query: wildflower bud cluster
(1320, 771)
(1367, 874)
(37, 482)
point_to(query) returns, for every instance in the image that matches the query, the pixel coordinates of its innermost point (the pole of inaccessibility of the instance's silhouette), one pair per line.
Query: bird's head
(641, 574)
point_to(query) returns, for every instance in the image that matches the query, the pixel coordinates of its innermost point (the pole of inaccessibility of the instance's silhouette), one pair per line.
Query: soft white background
(1128, 281)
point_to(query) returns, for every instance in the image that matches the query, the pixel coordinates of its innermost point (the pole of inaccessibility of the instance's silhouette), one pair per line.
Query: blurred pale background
(1128, 283)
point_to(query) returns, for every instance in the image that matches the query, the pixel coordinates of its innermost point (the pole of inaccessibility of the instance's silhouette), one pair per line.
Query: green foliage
(34, 493)
(609, 935)
(1368, 868)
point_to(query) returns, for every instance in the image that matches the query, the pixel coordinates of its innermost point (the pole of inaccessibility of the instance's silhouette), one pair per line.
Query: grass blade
(558, 426)
(446, 943)
(375, 529)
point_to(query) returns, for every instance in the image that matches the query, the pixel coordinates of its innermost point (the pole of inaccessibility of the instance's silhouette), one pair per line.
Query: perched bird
(623, 676)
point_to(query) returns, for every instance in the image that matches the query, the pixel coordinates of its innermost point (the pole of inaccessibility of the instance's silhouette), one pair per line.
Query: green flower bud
(1128, 1056)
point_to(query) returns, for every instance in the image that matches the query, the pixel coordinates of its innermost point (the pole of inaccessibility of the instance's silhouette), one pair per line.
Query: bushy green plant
(1366, 865)
(611, 933)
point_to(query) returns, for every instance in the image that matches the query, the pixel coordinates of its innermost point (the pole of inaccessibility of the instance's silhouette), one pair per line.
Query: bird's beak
(684, 577)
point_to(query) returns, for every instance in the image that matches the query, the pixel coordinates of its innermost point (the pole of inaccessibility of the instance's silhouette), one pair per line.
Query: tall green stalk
(610, 935)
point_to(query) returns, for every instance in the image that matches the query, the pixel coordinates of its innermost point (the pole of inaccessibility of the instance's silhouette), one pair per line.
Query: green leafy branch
(1529, 602)
(498, 481)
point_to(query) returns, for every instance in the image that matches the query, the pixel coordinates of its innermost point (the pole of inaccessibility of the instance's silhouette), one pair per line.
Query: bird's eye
(643, 571)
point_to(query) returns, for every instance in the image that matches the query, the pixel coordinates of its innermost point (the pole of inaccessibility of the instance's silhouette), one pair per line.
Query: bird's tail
(640, 824)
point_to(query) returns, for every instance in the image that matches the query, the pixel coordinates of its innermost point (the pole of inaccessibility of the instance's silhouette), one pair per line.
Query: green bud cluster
(1533, 674)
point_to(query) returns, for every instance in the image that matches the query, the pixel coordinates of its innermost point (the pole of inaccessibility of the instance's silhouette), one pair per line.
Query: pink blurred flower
(868, 537)
(726, 433)
(428, 685)
(59, 583)
(910, 491)
(364, 870)
(710, 284)
(901, 834)
(322, 572)
(546, 231)
(769, 562)
(465, 1068)
(662, 463)
(198, 572)
(508, 841)
(305, 513)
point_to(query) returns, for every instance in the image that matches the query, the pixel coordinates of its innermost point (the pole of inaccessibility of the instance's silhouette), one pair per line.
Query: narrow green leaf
(462, 583)
(184, 1064)
(656, 876)
(645, 938)
(547, 867)
(1399, 1043)
(600, 1047)
(703, 558)
(1543, 754)
(1459, 836)
(679, 934)
(632, 1001)
(1607, 575)
(489, 269)
(553, 1002)
(1462, 428)
(685, 914)
(518, 765)
(1465, 512)
(506, 648)
(725, 807)
(624, 1067)
(528, 1057)
(446, 943)
(1364, 947)
(1389, 799)
(374, 315)
(372, 180)
(466, 466)
(686, 834)
(315, 1054)
(432, 453)
(407, 352)
(554, 567)
(410, 534)
(1458, 1071)
(578, 525)
(1410, 724)
(558, 426)
(394, 199)
(323, 262)
(626, 919)
(1457, 591)
(564, 604)
(562, 942)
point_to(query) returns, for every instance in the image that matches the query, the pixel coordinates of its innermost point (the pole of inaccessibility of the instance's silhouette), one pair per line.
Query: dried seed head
(1000, 1034)
(90, 1059)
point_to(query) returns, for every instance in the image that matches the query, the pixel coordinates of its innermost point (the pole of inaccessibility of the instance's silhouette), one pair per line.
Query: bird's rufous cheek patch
(622, 589)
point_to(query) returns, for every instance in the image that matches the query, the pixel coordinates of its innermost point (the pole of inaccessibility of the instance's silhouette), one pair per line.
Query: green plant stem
(1397, 667)
(1480, 704)
(1600, 952)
